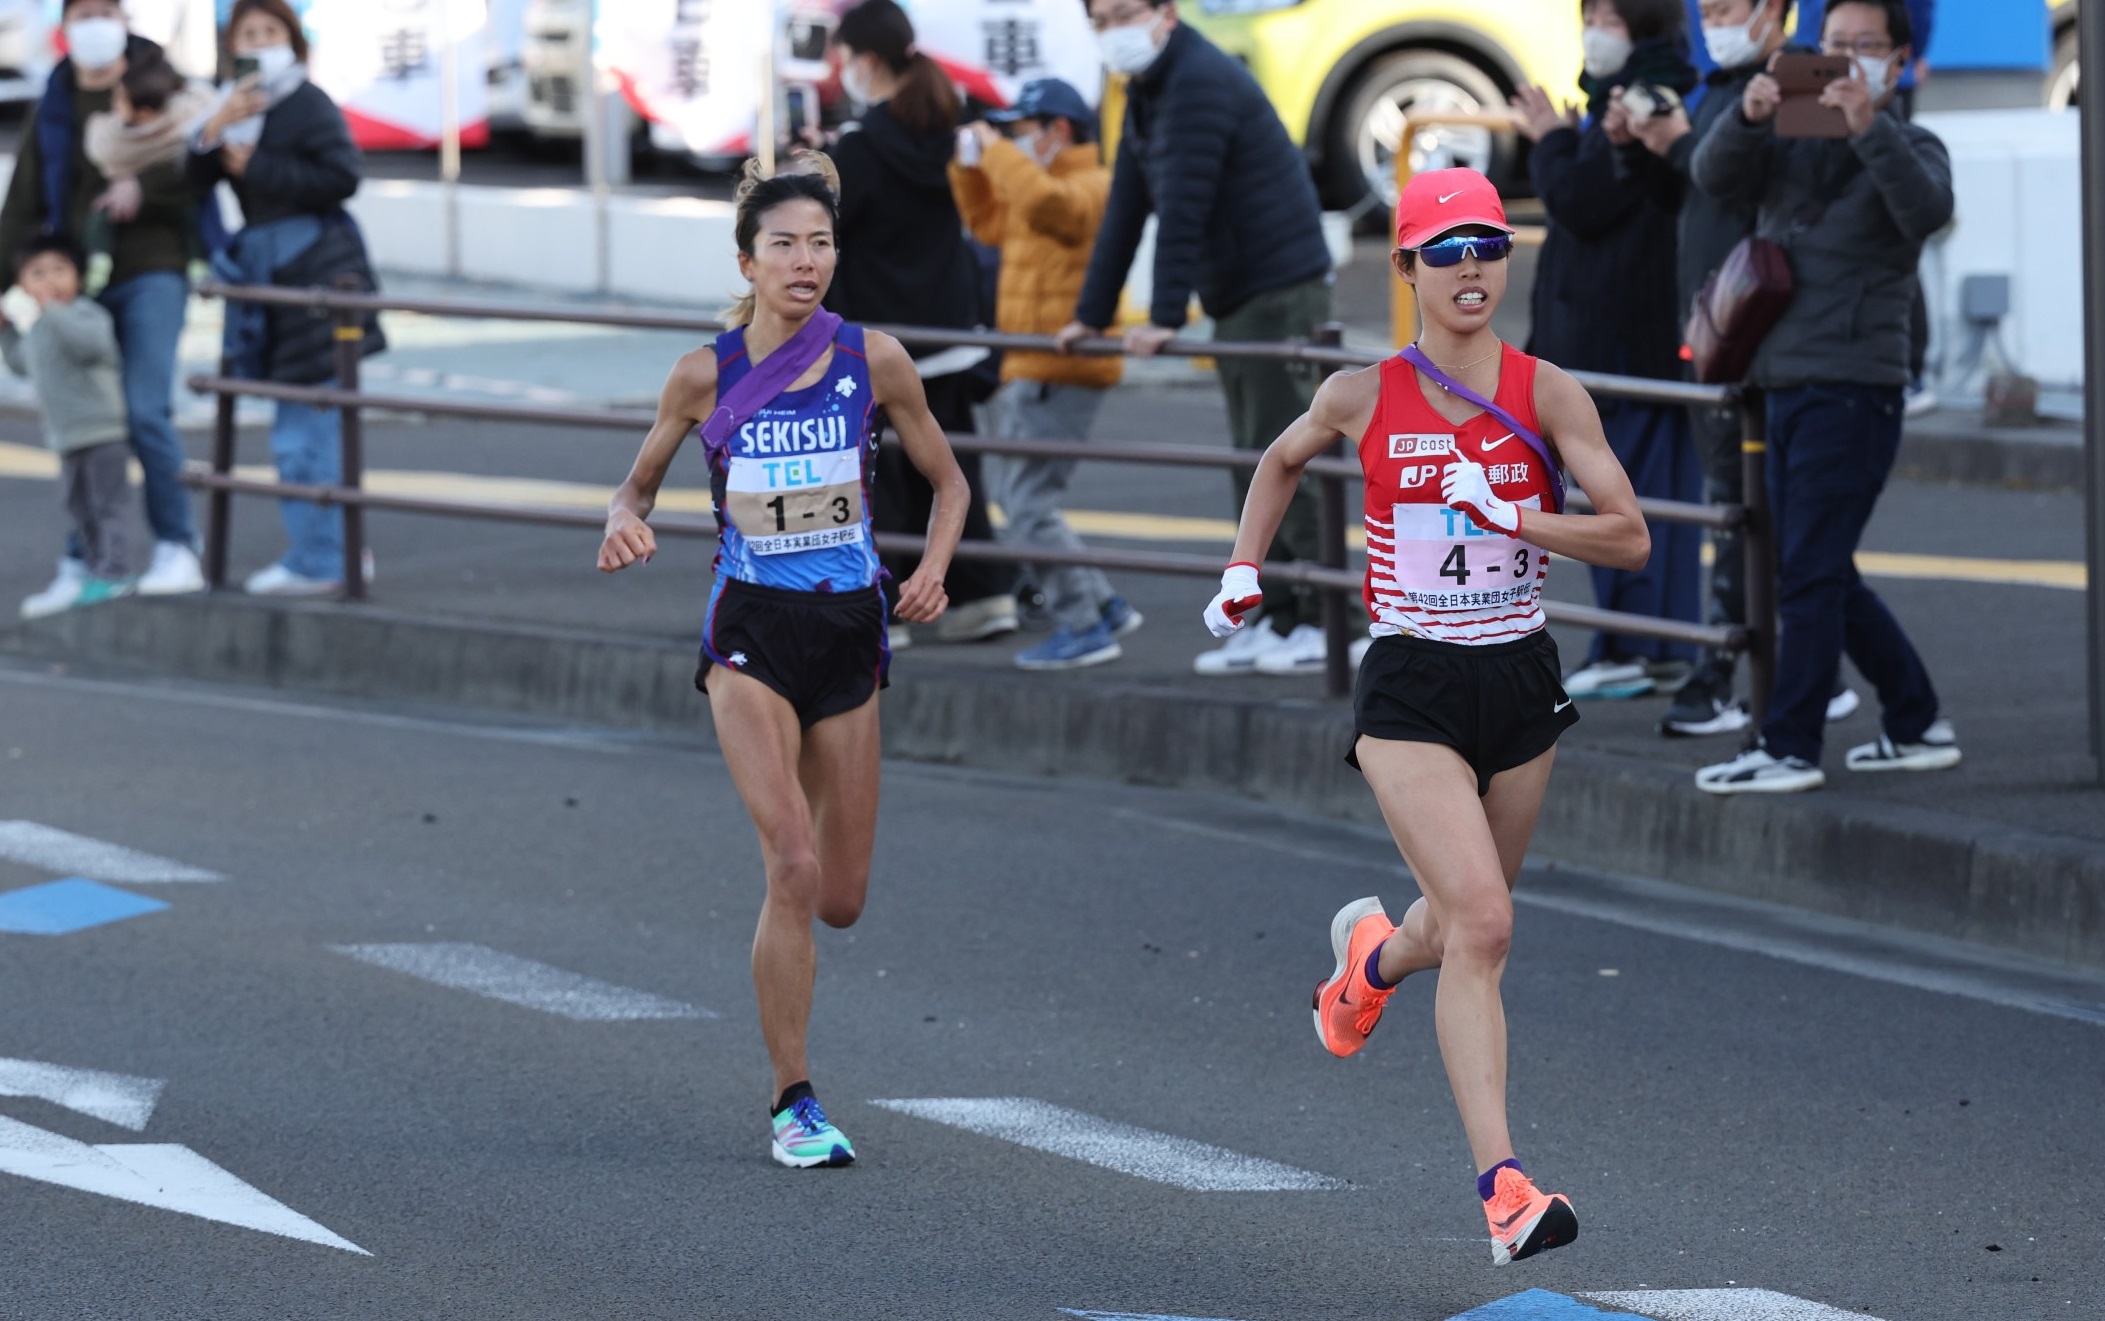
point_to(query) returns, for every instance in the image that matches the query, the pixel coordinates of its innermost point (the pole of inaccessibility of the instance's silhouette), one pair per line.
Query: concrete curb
(2048, 460)
(1923, 871)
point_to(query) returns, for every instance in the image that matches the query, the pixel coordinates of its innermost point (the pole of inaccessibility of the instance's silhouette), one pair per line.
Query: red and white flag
(383, 62)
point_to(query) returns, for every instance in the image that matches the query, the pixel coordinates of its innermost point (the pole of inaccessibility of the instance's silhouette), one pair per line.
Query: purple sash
(766, 379)
(1417, 358)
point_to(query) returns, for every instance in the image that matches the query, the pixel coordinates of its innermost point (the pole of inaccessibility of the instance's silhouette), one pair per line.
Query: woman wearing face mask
(1604, 300)
(904, 260)
(284, 146)
(56, 189)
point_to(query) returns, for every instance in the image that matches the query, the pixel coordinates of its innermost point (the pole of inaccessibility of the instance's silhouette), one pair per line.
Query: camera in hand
(1647, 101)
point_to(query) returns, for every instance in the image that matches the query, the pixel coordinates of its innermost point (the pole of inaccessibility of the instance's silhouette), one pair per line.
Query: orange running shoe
(1525, 1221)
(1348, 1005)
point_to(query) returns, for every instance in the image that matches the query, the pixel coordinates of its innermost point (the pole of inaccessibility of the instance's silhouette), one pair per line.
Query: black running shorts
(1500, 706)
(827, 653)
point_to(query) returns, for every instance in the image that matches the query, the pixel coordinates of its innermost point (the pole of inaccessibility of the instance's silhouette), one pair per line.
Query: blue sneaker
(1069, 650)
(805, 1139)
(1120, 616)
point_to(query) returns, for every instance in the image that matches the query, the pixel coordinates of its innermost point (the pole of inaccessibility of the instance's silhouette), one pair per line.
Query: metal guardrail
(1333, 475)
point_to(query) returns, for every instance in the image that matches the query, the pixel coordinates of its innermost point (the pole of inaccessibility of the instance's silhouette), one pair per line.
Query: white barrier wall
(2018, 177)
(664, 250)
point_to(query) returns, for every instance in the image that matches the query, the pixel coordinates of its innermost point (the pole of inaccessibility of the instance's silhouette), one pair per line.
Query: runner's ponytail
(806, 175)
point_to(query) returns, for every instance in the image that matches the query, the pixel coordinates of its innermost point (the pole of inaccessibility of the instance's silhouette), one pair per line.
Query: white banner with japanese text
(382, 61)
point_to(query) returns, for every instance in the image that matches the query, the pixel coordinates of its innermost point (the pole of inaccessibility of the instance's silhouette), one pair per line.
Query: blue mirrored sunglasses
(1451, 251)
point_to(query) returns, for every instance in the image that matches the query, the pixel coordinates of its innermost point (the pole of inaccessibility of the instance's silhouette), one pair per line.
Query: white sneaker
(1238, 655)
(1611, 680)
(277, 580)
(63, 592)
(1302, 652)
(1843, 705)
(1756, 772)
(1938, 751)
(175, 571)
(977, 621)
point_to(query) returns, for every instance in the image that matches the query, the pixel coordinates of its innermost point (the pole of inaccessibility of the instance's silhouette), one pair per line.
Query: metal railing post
(350, 352)
(1759, 540)
(1330, 535)
(219, 507)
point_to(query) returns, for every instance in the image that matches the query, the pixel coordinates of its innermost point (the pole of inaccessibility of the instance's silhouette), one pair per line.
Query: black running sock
(791, 1094)
(1487, 1182)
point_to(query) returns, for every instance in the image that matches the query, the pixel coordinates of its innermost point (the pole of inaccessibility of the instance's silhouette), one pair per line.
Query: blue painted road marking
(59, 907)
(1540, 1305)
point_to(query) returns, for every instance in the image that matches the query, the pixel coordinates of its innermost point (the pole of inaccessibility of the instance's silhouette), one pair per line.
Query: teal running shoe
(805, 1139)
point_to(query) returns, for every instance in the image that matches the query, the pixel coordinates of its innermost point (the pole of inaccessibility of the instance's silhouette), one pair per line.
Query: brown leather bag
(1740, 304)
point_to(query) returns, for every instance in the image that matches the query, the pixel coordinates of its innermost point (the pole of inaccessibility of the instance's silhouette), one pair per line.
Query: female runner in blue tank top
(793, 651)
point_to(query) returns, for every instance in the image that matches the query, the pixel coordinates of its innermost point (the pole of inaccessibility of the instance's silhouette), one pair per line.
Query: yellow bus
(1344, 73)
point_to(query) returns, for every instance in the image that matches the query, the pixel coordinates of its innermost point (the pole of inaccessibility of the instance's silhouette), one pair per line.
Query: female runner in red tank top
(1459, 702)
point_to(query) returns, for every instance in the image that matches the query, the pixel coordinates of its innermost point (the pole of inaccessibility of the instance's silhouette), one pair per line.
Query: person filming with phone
(1849, 192)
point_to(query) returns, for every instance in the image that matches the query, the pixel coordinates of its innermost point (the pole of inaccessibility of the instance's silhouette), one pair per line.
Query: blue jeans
(1831, 447)
(149, 311)
(307, 444)
(1653, 443)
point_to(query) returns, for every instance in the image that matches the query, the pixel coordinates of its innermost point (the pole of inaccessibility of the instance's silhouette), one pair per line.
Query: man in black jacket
(1237, 223)
(1741, 35)
(1853, 214)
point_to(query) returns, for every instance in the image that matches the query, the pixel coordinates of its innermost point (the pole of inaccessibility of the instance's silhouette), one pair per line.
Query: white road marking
(583, 740)
(1810, 939)
(170, 1177)
(68, 854)
(116, 1098)
(507, 977)
(1134, 1316)
(1723, 1305)
(1876, 966)
(1140, 1152)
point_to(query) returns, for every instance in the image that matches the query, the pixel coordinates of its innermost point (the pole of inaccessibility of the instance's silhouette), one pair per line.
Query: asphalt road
(1720, 1117)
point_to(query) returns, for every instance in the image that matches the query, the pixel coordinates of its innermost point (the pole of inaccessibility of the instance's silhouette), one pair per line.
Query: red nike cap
(1440, 200)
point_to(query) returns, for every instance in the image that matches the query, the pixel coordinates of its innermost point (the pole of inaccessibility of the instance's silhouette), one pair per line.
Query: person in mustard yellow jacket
(1038, 195)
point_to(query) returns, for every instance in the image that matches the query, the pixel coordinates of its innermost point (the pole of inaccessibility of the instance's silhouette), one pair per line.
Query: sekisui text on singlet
(1432, 573)
(792, 485)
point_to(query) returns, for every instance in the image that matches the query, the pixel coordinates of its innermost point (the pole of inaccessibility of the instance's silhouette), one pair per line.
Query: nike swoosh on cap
(1449, 198)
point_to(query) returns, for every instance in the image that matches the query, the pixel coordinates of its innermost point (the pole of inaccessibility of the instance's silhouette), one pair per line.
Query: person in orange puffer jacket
(1038, 195)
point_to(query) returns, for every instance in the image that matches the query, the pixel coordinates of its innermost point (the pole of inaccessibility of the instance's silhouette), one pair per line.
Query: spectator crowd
(958, 215)
(113, 209)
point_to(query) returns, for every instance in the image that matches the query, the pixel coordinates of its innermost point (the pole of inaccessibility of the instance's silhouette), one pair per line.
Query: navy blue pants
(1654, 446)
(1831, 447)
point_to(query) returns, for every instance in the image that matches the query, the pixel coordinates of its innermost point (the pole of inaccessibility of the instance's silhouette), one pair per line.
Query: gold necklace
(1457, 371)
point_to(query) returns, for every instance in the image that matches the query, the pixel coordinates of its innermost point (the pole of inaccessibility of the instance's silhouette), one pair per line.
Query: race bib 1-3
(805, 502)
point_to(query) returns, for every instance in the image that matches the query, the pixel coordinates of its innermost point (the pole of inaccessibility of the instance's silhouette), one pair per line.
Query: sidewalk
(2009, 848)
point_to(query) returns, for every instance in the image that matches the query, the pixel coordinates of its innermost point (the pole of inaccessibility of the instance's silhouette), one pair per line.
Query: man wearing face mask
(55, 190)
(1038, 196)
(1740, 36)
(1237, 223)
(1852, 213)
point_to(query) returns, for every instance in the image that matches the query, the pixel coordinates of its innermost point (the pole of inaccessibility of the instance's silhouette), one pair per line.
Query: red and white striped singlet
(1432, 573)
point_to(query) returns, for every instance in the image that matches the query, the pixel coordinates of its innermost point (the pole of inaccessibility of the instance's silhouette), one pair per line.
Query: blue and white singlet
(792, 486)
